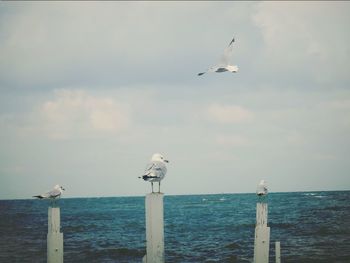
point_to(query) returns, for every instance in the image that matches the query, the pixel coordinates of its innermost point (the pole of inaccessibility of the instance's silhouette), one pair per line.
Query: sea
(310, 226)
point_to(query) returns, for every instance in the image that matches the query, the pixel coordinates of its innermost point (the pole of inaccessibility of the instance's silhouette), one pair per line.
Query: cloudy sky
(89, 91)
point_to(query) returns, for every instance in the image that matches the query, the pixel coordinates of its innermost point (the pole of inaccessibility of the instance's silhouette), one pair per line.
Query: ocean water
(311, 226)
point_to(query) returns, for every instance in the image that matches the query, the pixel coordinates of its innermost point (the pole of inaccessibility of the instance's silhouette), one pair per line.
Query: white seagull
(223, 64)
(261, 189)
(155, 170)
(53, 194)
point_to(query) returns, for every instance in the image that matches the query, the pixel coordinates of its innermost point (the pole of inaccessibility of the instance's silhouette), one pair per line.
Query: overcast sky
(90, 90)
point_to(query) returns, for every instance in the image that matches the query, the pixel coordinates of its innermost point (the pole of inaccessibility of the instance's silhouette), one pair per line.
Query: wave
(282, 225)
(233, 246)
(114, 254)
(126, 252)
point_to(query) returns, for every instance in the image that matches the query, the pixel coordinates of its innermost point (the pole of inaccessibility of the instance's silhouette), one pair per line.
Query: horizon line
(223, 193)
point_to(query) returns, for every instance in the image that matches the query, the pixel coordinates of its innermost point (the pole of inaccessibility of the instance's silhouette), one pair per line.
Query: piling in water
(262, 233)
(154, 228)
(54, 236)
(278, 251)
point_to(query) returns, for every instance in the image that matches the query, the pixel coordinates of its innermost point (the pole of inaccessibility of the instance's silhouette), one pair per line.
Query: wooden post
(278, 251)
(54, 237)
(154, 228)
(262, 233)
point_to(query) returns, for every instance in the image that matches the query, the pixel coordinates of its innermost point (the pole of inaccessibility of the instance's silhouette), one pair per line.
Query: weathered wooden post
(278, 251)
(154, 228)
(262, 231)
(54, 236)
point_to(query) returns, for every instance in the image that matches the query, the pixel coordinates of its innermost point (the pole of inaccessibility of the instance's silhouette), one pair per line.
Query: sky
(90, 90)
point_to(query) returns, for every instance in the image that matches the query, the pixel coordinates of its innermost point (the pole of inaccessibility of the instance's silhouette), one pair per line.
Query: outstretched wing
(224, 60)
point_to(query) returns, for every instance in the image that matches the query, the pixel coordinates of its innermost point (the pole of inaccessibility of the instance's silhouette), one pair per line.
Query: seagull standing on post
(261, 189)
(223, 64)
(155, 170)
(53, 194)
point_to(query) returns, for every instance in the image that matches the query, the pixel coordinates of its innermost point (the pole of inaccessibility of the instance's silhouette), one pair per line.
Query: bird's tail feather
(145, 177)
(38, 196)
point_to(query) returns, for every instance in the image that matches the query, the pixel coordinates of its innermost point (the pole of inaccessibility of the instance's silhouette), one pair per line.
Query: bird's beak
(166, 161)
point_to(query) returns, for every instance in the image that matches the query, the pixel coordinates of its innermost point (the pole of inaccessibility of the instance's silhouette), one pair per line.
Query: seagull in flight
(53, 194)
(223, 64)
(261, 189)
(155, 170)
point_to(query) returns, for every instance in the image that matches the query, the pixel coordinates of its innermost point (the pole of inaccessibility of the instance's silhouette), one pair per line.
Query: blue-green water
(312, 227)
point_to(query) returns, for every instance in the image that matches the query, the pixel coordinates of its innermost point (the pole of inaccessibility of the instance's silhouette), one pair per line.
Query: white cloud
(306, 37)
(295, 138)
(324, 157)
(76, 113)
(228, 114)
(283, 25)
(341, 104)
(232, 140)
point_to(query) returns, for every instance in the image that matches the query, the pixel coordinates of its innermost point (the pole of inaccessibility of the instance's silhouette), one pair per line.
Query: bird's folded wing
(155, 168)
(54, 193)
(149, 169)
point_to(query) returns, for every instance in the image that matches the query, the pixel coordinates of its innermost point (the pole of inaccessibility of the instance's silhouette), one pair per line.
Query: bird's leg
(159, 187)
(152, 186)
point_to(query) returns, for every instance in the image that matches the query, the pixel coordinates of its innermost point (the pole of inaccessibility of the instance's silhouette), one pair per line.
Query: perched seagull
(261, 190)
(223, 64)
(53, 194)
(155, 170)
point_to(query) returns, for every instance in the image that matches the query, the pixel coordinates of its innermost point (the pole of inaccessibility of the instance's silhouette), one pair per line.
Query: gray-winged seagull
(261, 189)
(223, 64)
(53, 194)
(155, 170)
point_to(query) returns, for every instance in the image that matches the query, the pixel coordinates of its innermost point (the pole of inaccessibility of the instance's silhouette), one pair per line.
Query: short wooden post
(262, 232)
(54, 236)
(278, 251)
(154, 228)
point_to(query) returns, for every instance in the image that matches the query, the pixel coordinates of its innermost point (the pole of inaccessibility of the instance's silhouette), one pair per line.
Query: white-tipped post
(262, 233)
(154, 228)
(54, 237)
(278, 251)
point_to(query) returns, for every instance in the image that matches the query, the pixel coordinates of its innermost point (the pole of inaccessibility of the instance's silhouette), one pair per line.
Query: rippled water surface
(311, 226)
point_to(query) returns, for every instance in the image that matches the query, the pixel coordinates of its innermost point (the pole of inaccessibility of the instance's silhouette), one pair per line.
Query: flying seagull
(155, 170)
(261, 189)
(223, 64)
(53, 194)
